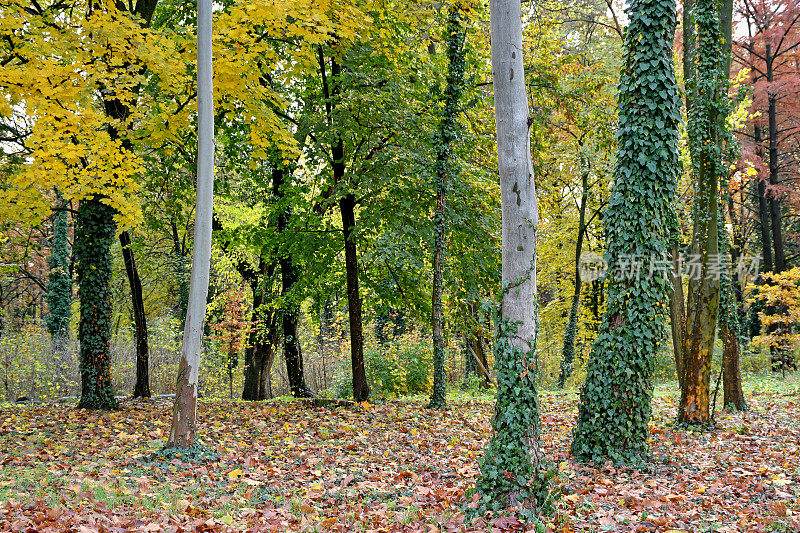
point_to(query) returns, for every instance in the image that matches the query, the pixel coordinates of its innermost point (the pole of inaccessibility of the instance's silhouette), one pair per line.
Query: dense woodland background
(324, 141)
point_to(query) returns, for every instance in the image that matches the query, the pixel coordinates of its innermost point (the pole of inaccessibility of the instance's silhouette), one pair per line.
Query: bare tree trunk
(142, 387)
(360, 387)
(183, 430)
(677, 315)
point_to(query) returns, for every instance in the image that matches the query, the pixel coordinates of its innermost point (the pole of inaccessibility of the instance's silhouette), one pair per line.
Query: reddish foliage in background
(770, 49)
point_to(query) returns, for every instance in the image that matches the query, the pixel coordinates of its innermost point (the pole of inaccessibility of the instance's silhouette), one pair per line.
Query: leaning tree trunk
(142, 387)
(615, 398)
(444, 140)
(183, 431)
(94, 232)
(510, 467)
(707, 137)
(568, 350)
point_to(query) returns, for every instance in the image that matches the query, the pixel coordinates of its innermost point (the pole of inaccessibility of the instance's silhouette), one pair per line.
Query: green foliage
(94, 234)
(401, 368)
(615, 399)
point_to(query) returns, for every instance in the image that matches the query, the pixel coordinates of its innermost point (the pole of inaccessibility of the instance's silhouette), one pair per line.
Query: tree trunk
(510, 467)
(763, 212)
(292, 352)
(180, 273)
(94, 233)
(677, 314)
(615, 398)
(475, 344)
(360, 388)
(445, 138)
(703, 295)
(774, 199)
(183, 431)
(59, 283)
(260, 352)
(568, 351)
(142, 387)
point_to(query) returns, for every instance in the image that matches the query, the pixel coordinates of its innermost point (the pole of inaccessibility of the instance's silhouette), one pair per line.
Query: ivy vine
(95, 230)
(615, 398)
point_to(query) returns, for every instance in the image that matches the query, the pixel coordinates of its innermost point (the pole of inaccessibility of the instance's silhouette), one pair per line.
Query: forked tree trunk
(183, 431)
(703, 294)
(142, 387)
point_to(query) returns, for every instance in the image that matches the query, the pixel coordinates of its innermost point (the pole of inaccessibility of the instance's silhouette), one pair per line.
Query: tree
(446, 136)
(59, 285)
(513, 456)
(707, 142)
(183, 430)
(615, 398)
(142, 387)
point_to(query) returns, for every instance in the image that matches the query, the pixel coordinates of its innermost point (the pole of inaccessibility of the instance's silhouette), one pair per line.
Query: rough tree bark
(703, 292)
(183, 431)
(142, 387)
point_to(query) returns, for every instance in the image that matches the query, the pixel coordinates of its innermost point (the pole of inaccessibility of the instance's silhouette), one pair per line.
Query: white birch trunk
(183, 431)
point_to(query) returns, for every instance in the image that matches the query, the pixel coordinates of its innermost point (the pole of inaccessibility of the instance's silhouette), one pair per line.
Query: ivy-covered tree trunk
(510, 468)
(730, 324)
(94, 232)
(615, 398)
(706, 140)
(59, 283)
(183, 430)
(446, 136)
(142, 387)
(568, 350)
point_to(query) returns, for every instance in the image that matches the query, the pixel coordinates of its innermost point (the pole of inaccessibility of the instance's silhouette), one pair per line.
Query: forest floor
(393, 466)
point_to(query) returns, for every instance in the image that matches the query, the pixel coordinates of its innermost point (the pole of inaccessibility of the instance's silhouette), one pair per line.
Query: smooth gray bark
(184, 430)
